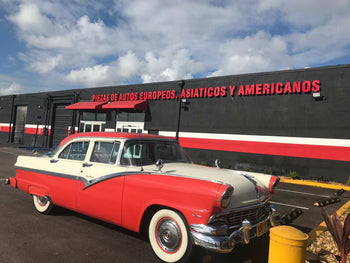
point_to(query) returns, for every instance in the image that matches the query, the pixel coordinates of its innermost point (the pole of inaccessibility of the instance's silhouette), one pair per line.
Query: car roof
(116, 135)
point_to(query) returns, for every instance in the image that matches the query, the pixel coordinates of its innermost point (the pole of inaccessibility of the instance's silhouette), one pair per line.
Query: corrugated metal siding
(62, 119)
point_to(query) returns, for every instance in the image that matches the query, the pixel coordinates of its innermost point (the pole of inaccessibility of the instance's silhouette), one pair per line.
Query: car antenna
(140, 153)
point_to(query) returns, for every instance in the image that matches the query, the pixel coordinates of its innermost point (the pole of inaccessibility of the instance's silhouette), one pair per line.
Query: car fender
(270, 182)
(37, 190)
(186, 195)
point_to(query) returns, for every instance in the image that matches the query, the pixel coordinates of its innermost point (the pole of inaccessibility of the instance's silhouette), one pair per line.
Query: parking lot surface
(27, 236)
(292, 196)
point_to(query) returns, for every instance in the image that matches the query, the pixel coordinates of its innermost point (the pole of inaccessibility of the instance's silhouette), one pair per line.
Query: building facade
(285, 122)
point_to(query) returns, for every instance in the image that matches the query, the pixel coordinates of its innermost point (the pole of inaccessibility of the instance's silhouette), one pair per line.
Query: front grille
(235, 217)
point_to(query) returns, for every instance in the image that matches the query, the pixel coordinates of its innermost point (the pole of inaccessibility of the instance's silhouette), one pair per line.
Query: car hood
(247, 191)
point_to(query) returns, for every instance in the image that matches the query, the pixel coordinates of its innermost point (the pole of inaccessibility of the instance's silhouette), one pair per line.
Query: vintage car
(141, 181)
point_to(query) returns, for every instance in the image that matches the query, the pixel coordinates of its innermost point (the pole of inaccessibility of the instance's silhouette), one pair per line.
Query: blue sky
(65, 44)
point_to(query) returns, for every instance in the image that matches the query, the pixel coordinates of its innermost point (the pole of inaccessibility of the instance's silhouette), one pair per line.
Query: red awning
(135, 104)
(86, 105)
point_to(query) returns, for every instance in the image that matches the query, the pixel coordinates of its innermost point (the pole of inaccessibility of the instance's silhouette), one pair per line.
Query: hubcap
(42, 200)
(168, 235)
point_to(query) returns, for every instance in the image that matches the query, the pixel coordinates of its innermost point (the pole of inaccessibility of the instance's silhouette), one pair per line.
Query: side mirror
(218, 163)
(160, 164)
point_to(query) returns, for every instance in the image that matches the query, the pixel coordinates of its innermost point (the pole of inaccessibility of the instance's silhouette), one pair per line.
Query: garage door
(61, 120)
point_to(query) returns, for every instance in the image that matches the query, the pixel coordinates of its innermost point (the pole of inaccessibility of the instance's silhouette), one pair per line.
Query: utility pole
(181, 84)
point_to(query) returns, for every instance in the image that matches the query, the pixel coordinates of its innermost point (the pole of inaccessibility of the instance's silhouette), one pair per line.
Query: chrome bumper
(214, 238)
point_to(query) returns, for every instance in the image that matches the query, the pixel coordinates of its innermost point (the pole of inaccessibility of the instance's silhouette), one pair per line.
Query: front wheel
(169, 236)
(43, 204)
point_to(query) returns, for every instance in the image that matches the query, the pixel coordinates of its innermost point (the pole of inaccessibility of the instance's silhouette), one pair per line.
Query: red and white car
(141, 181)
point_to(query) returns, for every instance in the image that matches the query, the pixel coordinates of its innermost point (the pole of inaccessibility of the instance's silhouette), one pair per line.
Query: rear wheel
(43, 204)
(169, 236)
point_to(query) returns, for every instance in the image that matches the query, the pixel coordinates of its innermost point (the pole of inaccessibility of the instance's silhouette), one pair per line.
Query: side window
(166, 152)
(105, 152)
(75, 151)
(136, 154)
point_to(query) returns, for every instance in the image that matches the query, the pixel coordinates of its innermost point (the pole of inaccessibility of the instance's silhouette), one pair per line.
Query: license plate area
(261, 228)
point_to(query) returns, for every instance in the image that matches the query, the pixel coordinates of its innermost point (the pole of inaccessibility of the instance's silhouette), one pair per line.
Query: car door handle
(53, 161)
(87, 164)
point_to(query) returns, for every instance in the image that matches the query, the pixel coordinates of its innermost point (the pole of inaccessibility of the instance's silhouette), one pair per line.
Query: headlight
(226, 197)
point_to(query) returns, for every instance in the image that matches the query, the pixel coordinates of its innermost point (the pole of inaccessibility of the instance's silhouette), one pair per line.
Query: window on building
(94, 116)
(93, 121)
(131, 116)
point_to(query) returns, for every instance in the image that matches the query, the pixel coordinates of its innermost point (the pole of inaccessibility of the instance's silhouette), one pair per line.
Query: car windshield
(140, 153)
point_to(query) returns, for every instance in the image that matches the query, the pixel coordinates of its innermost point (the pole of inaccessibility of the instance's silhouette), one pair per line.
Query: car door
(64, 170)
(101, 182)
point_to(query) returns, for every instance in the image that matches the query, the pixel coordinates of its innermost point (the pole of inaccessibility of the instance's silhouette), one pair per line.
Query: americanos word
(278, 88)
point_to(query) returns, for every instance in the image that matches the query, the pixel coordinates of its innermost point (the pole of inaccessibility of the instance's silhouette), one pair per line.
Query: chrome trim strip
(110, 176)
(62, 175)
(89, 183)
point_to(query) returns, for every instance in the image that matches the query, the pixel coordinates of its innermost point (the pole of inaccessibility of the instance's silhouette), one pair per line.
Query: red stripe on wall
(281, 149)
(4, 129)
(27, 130)
(33, 131)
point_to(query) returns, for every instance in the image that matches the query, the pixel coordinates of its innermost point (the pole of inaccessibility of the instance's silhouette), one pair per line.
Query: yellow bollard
(287, 245)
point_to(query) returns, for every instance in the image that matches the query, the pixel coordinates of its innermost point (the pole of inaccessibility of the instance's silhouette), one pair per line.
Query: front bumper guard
(212, 238)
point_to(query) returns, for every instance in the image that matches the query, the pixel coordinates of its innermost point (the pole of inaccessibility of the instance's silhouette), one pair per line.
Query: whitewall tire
(169, 236)
(43, 204)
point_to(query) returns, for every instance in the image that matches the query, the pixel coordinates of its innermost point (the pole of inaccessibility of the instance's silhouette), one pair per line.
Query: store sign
(260, 89)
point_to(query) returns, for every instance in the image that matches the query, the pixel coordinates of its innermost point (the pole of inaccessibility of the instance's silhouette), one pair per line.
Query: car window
(148, 152)
(75, 151)
(105, 152)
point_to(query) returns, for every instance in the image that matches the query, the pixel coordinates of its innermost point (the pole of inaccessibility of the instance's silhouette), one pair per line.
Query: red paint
(279, 149)
(279, 88)
(62, 191)
(123, 200)
(189, 196)
(4, 129)
(274, 180)
(102, 200)
(86, 105)
(122, 135)
(135, 96)
(39, 131)
(137, 104)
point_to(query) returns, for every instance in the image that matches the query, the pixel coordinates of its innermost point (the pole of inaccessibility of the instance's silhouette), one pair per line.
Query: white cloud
(95, 43)
(90, 76)
(13, 88)
(260, 52)
(29, 19)
(46, 65)
(128, 66)
(169, 66)
(307, 13)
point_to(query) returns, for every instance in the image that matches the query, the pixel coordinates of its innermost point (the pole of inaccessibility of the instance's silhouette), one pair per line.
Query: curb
(313, 234)
(316, 184)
